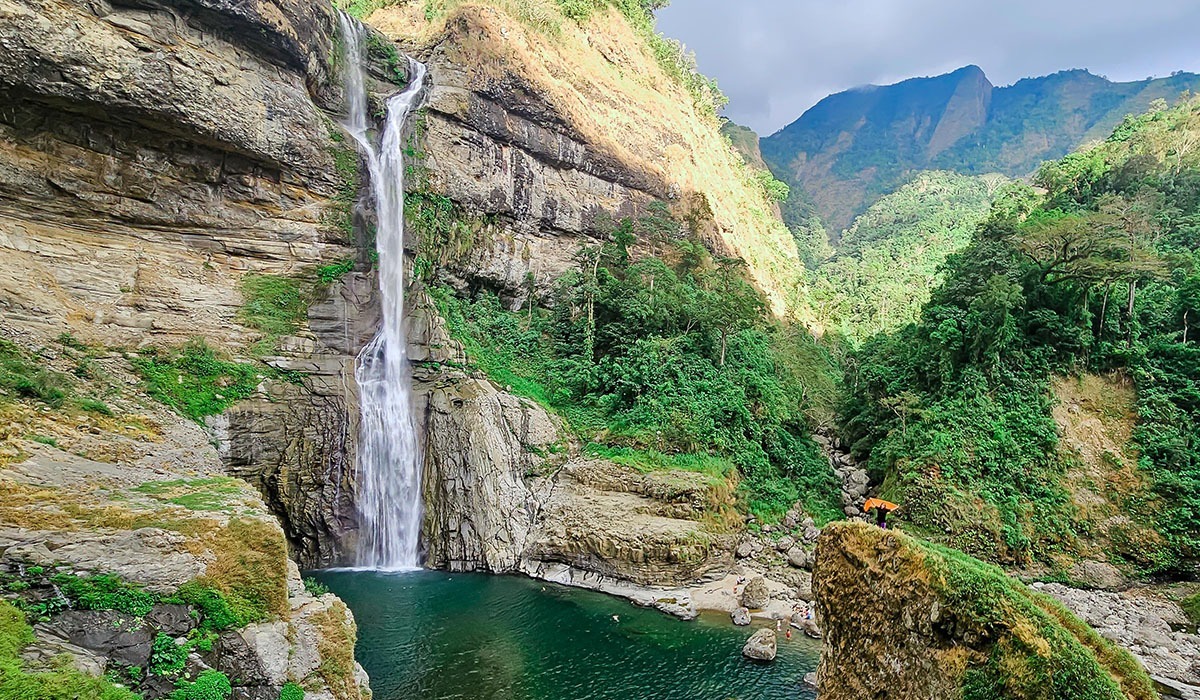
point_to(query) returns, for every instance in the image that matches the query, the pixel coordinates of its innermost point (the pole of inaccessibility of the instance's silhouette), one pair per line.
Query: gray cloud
(776, 58)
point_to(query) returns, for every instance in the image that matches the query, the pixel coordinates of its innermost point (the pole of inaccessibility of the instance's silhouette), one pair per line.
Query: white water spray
(389, 459)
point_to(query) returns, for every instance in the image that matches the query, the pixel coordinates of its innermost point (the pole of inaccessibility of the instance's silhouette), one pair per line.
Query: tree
(1136, 220)
(733, 304)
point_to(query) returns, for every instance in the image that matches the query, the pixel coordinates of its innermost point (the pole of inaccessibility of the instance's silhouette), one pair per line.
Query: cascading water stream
(389, 463)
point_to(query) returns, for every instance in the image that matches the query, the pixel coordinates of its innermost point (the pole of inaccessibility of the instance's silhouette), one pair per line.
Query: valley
(459, 307)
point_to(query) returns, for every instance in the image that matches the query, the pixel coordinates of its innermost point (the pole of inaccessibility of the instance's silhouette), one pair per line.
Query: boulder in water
(740, 617)
(756, 595)
(761, 645)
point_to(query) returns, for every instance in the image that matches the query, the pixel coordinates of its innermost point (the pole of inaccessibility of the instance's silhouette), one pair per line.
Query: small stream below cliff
(432, 635)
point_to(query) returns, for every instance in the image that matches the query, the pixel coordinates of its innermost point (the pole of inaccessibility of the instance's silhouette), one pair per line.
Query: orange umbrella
(878, 503)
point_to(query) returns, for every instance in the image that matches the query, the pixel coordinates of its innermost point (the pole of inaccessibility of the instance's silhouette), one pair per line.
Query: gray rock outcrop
(761, 646)
(1150, 627)
(740, 617)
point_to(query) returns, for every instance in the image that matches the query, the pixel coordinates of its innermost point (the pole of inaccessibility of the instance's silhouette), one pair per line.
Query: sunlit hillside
(628, 92)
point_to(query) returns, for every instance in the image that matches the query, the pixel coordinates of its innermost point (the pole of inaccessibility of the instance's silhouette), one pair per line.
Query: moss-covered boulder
(906, 619)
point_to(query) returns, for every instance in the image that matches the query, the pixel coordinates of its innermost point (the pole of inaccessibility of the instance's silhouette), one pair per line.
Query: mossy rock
(912, 619)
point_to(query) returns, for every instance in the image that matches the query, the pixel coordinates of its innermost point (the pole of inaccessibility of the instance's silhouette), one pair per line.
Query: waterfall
(389, 460)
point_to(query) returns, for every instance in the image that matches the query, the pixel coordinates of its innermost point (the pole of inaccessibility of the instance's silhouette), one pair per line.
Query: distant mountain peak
(856, 145)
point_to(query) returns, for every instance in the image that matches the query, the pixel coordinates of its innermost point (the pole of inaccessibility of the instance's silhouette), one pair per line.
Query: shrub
(95, 406)
(22, 378)
(273, 304)
(291, 691)
(315, 587)
(328, 274)
(216, 612)
(106, 592)
(209, 685)
(166, 657)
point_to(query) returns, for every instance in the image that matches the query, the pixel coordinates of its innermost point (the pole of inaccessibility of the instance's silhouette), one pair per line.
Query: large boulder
(756, 596)
(904, 620)
(108, 633)
(761, 645)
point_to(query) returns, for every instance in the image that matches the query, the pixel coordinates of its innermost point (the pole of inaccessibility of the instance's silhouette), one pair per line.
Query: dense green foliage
(672, 353)
(105, 592)
(328, 274)
(62, 682)
(166, 657)
(291, 691)
(315, 587)
(195, 380)
(1099, 274)
(888, 261)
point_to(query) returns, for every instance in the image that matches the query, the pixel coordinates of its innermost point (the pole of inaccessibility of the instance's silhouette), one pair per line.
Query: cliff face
(903, 620)
(120, 529)
(529, 143)
(556, 132)
(152, 157)
(506, 490)
(158, 159)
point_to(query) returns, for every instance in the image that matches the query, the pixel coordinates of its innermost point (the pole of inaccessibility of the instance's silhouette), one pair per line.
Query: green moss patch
(1038, 648)
(195, 380)
(215, 493)
(274, 304)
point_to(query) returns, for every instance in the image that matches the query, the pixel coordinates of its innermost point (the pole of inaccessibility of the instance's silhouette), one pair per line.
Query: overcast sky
(776, 58)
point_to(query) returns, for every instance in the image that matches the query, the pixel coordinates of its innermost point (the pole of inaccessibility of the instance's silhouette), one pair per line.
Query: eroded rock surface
(161, 529)
(761, 646)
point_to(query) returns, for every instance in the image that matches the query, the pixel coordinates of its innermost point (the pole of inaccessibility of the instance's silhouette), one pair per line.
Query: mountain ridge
(858, 144)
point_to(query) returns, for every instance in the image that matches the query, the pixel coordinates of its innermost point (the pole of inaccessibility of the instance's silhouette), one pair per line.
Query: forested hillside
(889, 259)
(1098, 275)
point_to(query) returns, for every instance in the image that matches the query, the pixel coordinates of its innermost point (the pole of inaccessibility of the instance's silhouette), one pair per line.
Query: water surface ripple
(431, 635)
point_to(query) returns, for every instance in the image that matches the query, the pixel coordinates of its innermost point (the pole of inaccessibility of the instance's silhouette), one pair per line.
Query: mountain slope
(1096, 272)
(889, 259)
(856, 145)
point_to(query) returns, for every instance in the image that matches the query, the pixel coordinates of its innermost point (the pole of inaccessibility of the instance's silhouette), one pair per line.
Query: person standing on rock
(881, 508)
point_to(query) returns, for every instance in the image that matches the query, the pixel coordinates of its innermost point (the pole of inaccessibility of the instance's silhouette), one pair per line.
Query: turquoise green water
(432, 635)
